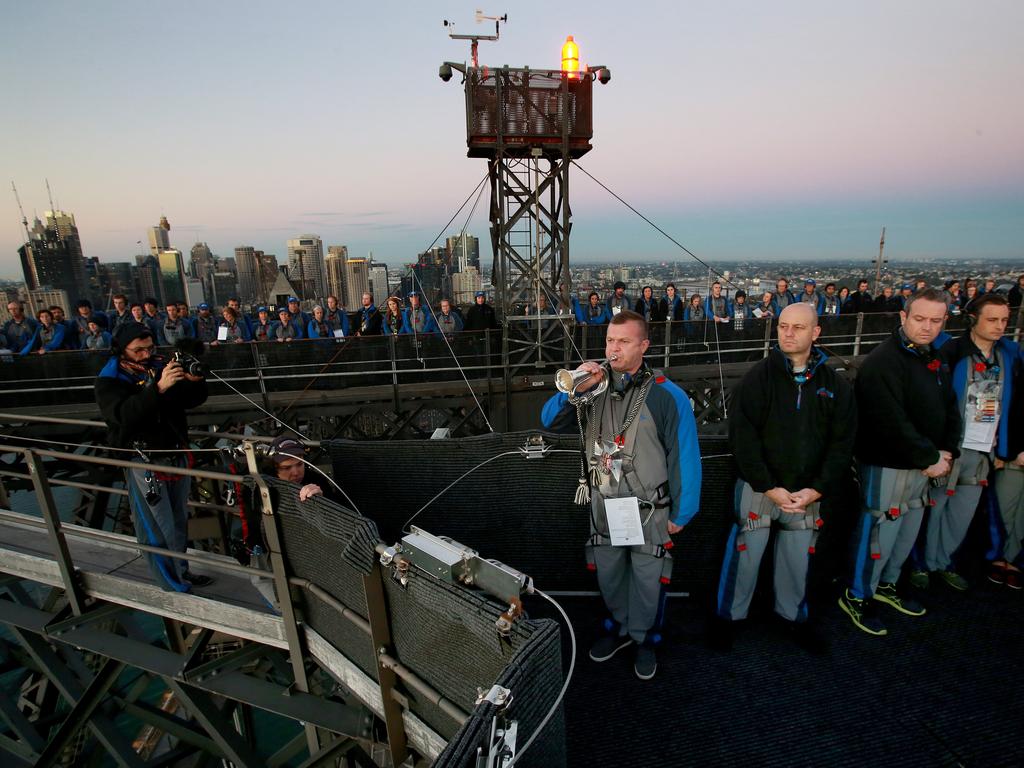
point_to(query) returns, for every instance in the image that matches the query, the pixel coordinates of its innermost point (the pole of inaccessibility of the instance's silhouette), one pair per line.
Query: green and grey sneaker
(862, 614)
(954, 580)
(886, 593)
(919, 579)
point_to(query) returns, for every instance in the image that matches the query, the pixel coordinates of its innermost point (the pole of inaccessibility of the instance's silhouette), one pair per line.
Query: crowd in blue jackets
(50, 331)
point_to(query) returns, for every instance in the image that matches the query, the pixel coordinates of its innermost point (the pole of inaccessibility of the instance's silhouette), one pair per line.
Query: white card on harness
(624, 528)
(982, 415)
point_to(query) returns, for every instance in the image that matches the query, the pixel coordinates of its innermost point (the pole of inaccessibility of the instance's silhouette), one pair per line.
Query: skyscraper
(202, 264)
(357, 282)
(268, 272)
(52, 259)
(147, 278)
(306, 265)
(465, 284)
(463, 252)
(64, 224)
(173, 285)
(160, 237)
(334, 265)
(379, 282)
(249, 283)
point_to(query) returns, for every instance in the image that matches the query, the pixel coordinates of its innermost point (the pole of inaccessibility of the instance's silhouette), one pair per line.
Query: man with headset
(791, 430)
(905, 386)
(982, 362)
(143, 400)
(640, 440)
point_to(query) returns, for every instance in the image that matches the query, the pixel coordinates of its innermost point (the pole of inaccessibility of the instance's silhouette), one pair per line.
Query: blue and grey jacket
(959, 354)
(51, 339)
(666, 448)
(173, 331)
(336, 318)
(16, 334)
(782, 300)
(587, 314)
(418, 320)
(716, 306)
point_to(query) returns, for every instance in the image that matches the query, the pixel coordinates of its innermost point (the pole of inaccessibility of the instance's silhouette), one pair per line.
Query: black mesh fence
(445, 633)
(515, 509)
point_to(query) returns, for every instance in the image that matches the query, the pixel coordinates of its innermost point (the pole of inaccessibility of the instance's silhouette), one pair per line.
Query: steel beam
(220, 729)
(48, 509)
(51, 665)
(296, 646)
(20, 725)
(380, 632)
(81, 712)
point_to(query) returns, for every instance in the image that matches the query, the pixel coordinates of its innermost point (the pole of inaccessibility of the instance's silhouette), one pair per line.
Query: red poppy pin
(934, 365)
(980, 367)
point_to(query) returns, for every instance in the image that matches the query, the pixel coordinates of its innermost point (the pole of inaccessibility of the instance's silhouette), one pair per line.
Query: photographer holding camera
(143, 399)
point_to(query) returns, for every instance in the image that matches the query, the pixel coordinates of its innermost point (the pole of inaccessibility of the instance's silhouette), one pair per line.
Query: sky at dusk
(745, 129)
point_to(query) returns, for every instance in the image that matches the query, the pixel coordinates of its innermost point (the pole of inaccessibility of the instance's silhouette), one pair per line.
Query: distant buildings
(463, 251)
(202, 265)
(173, 278)
(52, 258)
(379, 282)
(160, 237)
(306, 266)
(250, 286)
(334, 265)
(357, 282)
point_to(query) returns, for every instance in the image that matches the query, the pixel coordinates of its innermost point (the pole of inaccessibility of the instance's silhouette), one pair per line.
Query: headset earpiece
(972, 319)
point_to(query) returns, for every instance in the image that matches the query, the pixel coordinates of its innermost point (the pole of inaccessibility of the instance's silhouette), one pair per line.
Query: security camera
(604, 75)
(445, 72)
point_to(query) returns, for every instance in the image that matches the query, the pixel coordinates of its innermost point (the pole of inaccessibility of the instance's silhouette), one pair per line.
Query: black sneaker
(646, 663)
(862, 615)
(886, 593)
(606, 647)
(197, 579)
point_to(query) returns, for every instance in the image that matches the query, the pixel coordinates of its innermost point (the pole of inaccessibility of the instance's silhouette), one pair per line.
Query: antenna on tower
(880, 262)
(474, 40)
(24, 221)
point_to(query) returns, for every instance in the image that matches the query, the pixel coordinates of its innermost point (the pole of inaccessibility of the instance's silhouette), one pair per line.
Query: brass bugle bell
(568, 381)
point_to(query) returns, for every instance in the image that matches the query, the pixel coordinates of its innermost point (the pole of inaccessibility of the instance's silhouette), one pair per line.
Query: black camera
(190, 364)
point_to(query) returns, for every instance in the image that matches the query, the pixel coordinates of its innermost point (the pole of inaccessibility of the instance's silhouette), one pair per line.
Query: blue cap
(480, 293)
(809, 281)
(412, 293)
(906, 287)
(204, 305)
(291, 299)
(261, 309)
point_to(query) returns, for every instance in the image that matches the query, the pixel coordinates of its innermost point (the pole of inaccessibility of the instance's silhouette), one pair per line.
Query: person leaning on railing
(48, 336)
(97, 339)
(143, 400)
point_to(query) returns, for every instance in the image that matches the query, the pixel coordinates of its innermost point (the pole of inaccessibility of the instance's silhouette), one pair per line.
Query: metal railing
(527, 345)
(59, 534)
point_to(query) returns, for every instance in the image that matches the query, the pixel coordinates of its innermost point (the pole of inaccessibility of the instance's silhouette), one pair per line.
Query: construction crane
(24, 221)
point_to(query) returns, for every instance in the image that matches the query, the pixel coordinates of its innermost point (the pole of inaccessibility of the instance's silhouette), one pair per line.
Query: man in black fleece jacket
(143, 401)
(791, 430)
(904, 393)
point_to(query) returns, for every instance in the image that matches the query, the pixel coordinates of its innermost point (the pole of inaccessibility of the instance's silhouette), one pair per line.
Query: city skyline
(797, 133)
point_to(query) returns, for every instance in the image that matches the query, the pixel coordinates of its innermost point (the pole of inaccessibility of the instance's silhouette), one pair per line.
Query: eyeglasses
(145, 349)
